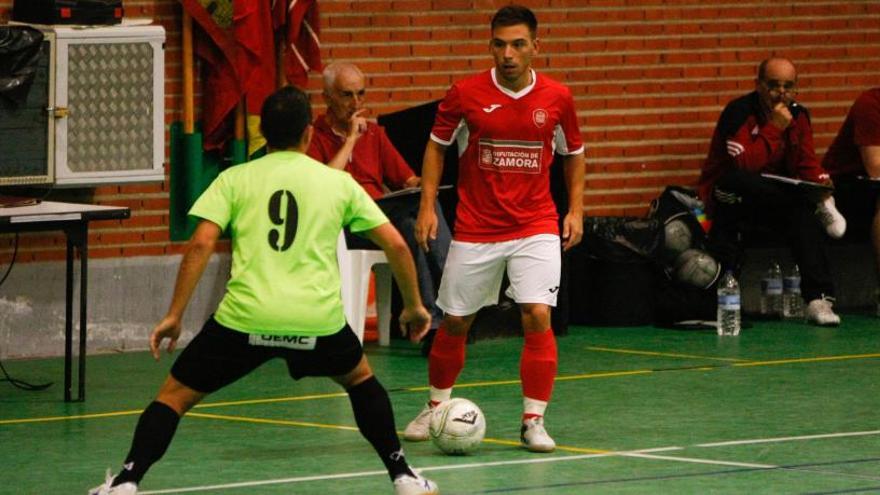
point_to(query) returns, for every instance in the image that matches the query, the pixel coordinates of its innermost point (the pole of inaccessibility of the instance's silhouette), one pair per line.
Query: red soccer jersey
(861, 128)
(506, 142)
(374, 160)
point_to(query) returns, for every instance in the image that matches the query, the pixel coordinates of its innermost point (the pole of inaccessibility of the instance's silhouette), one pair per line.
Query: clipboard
(409, 191)
(805, 184)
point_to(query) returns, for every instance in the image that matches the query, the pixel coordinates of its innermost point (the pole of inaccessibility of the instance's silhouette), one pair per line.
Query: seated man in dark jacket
(767, 131)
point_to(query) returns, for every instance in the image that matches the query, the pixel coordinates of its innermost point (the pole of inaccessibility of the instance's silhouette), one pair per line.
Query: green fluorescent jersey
(284, 212)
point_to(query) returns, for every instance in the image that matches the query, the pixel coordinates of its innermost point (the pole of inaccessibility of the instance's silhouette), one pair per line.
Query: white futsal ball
(457, 426)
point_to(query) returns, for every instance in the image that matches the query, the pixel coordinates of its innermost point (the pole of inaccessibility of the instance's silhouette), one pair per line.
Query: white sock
(534, 406)
(440, 394)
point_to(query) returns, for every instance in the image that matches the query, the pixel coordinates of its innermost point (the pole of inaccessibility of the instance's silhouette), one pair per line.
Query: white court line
(698, 461)
(643, 453)
(266, 482)
(790, 439)
(446, 467)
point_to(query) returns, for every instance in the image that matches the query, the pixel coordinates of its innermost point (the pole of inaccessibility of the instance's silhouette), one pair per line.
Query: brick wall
(649, 79)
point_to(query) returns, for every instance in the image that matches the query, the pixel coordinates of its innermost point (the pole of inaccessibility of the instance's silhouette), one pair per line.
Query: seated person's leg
(439, 246)
(429, 266)
(859, 202)
(745, 201)
(809, 248)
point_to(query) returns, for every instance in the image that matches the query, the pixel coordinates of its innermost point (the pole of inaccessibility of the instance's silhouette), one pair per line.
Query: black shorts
(218, 356)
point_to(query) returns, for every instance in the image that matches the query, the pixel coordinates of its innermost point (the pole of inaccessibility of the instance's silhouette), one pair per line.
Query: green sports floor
(783, 408)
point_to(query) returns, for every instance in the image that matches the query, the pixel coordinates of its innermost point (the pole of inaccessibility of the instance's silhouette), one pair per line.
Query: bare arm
(573, 223)
(432, 171)
(195, 258)
(414, 318)
(871, 159)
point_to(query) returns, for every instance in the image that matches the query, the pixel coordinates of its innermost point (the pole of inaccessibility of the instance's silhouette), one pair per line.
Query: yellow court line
(662, 354)
(49, 419)
(332, 395)
(464, 385)
(584, 376)
(809, 360)
(604, 374)
(283, 422)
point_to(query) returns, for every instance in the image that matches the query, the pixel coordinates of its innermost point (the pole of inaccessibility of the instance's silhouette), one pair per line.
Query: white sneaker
(414, 485)
(417, 429)
(534, 437)
(106, 489)
(819, 312)
(830, 218)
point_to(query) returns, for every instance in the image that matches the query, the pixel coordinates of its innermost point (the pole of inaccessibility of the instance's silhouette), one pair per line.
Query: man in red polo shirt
(344, 139)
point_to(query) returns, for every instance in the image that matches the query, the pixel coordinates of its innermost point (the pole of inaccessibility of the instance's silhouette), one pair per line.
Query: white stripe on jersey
(559, 140)
(734, 148)
(560, 145)
(461, 125)
(461, 135)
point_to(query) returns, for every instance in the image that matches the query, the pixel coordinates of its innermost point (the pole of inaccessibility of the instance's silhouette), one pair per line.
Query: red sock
(446, 360)
(537, 367)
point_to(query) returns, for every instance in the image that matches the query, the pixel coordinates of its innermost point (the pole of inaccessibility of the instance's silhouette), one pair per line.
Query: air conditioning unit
(105, 104)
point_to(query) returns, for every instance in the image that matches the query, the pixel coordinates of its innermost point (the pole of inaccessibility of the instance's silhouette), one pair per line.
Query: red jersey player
(507, 123)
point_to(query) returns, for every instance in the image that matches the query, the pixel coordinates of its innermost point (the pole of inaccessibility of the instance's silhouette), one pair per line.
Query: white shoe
(417, 429)
(534, 437)
(819, 312)
(414, 485)
(106, 489)
(830, 218)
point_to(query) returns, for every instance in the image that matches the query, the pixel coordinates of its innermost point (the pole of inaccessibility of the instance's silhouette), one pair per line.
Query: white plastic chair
(354, 270)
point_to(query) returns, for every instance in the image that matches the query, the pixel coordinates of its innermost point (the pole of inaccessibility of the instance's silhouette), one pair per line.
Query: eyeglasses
(349, 95)
(779, 87)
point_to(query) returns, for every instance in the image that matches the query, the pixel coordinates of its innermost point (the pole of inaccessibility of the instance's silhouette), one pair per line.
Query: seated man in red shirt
(344, 139)
(767, 131)
(853, 160)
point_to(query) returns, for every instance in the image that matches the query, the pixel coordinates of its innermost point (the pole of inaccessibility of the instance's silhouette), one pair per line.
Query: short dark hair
(513, 14)
(284, 117)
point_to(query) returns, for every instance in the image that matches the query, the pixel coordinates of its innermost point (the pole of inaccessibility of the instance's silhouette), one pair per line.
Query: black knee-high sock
(375, 419)
(153, 434)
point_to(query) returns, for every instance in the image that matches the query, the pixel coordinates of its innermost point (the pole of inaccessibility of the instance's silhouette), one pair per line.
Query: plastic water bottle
(771, 292)
(728, 305)
(792, 303)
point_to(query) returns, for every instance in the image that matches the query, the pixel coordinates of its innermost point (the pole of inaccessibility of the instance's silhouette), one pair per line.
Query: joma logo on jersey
(511, 156)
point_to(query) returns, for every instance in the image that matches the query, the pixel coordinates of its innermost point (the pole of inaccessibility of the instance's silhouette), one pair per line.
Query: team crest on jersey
(539, 117)
(511, 156)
